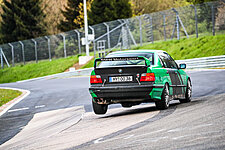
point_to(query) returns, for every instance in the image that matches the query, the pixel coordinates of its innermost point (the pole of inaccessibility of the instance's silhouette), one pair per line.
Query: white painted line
(13, 110)
(17, 101)
(98, 141)
(41, 106)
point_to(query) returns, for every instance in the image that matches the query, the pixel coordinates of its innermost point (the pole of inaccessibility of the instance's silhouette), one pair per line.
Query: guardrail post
(108, 35)
(12, 49)
(35, 49)
(93, 32)
(1, 56)
(196, 21)
(78, 36)
(140, 28)
(49, 48)
(213, 20)
(23, 54)
(64, 43)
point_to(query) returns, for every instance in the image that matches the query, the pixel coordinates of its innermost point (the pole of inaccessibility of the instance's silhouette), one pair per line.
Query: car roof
(138, 51)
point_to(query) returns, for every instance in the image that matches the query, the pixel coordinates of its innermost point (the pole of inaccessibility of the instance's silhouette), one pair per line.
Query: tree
(53, 9)
(21, 20)
(70, 13)
(79, 20)
(105, 10)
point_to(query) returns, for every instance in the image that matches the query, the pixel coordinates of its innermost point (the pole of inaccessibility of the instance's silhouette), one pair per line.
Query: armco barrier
(196, 63)
(204, 62)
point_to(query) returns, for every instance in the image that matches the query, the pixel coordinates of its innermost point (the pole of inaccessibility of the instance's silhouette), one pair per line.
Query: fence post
(151, 28)
(164, 26)
(129, 32)
(93, 32)
(213, 20)
(12, 49)
(178, 28)
(64, 43)
(78, 36)
(177, 23)
(140, 28)
(49, 48)
(21, 43)
(108, 35)
(196, 21)
(35, 49)
(2, 65)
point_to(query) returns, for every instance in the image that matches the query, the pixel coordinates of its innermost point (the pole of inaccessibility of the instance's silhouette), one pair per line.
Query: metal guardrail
(196, 63)
(204, 62)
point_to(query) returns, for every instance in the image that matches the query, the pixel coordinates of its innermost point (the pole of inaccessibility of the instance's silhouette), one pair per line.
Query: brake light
(95, 79)
(147, 77)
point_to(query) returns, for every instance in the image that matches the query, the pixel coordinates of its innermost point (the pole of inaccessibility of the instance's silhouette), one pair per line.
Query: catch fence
(185, 22)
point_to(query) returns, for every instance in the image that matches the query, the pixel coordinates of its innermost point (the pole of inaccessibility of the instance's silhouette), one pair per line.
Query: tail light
(147, 77)
(95, 79)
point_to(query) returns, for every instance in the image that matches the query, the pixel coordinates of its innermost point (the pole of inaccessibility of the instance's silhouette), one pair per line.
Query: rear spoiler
(147, 62)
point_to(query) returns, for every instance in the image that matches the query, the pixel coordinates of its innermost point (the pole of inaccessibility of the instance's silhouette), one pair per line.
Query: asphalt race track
(58, 115)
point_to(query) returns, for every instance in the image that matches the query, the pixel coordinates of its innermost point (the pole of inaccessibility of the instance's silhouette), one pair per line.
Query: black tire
(99, 109)
(165, 100)
(188, 93)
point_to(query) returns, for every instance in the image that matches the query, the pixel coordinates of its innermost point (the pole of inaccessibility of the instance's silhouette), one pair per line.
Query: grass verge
(8, 95)
(204, 46)
(191, 48)
(34, 70)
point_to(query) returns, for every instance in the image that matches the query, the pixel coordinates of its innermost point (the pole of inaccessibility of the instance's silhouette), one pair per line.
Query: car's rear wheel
(188, 93)
(99, 109)
(165, 99)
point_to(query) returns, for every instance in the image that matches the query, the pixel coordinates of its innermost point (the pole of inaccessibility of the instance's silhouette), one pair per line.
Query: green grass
(89, 64)
(203, 46)
(191, 48)
(8, 95)
(34, 70)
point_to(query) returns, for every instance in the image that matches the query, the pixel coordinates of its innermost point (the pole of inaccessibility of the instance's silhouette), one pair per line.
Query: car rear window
(104, 64)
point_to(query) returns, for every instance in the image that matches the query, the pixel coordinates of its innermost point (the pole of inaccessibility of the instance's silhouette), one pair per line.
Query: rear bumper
(123, 93)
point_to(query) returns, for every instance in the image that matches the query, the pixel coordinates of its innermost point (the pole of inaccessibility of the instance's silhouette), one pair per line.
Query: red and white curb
(4, 108)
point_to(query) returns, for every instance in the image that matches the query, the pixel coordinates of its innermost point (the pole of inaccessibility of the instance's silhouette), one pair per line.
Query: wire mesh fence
(185, 22)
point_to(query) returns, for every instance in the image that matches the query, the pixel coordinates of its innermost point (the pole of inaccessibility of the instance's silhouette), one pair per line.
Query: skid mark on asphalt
(137, 125)
(43, 126)
(56, 129)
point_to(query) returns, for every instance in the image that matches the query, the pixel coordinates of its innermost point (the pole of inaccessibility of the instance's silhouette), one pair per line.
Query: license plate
(121, 79)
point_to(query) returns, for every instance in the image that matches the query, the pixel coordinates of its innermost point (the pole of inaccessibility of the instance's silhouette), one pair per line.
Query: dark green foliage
(21, 20)
(105, 10)
(70, 13)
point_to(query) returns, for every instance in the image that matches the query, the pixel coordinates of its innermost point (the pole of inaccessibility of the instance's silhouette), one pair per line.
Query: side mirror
(182, 66)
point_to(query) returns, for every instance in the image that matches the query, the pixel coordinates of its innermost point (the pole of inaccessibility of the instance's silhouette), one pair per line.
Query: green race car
(138, 76)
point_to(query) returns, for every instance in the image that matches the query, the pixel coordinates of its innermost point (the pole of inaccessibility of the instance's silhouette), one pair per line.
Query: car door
(179, 79)
(172, 69)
